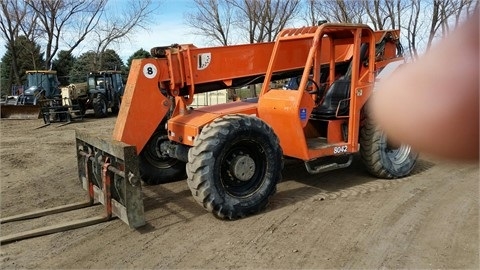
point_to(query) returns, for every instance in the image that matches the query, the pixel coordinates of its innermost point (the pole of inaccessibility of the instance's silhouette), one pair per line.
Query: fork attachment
(99, 159)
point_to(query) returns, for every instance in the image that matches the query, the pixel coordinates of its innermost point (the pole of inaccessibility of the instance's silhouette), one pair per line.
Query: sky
(168, 28)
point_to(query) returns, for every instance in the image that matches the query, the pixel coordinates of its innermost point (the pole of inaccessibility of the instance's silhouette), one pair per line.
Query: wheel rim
(104, 106)
(154, 155)
(397, 154)
(243, 168)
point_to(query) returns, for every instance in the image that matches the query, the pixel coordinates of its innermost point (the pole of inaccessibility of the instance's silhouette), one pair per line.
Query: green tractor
(105, 91)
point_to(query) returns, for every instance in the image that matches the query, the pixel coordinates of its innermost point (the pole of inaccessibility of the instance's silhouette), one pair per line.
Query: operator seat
(339, 90)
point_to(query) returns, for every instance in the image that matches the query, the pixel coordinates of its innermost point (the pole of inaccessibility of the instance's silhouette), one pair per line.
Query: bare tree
(311, 16)
(263, 20)
(374, 10)
(437, 20)
(258, 20)
(277, 14)
(426, 21)
(443, 12)
(413, 27)
(118, 26)
(385, 14)
(249, 9)
(421, 21)
(464, 7)
(394, 9)
(212, 19)
(13, 13)
(56, 16)
(344, 11)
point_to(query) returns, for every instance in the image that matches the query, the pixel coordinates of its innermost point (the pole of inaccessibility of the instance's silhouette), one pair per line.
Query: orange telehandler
(232, 154)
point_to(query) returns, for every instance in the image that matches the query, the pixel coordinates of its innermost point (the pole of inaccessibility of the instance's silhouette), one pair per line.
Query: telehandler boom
(232, 154)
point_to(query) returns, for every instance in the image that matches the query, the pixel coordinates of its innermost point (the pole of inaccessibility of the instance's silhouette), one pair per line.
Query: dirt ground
(339, 219)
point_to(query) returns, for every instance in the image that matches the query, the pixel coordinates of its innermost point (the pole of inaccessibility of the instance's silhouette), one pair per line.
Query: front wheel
(383, 158)
(100, 106)
(116, 104)
(157, 167)
(234, 166)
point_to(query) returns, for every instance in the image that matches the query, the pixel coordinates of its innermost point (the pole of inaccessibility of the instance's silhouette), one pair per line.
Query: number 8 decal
(150, 71)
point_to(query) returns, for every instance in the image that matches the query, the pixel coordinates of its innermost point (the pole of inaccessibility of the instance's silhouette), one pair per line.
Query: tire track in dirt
(337, 184)
(405, 225)
(338, 219)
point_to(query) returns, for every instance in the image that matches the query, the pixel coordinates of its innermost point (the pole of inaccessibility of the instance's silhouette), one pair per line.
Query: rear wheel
(157, 167)
(234, 166)
(383, 158)
(116, 104)
(81, 107)
(100, 106)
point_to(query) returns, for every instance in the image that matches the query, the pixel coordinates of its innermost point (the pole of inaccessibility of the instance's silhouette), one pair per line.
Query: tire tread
(200, 157)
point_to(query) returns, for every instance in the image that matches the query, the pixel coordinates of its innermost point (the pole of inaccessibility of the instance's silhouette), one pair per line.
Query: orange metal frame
(154, 84)
(282, 109)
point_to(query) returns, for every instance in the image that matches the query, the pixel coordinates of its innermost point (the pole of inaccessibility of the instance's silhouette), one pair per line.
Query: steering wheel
(318, 91)
(309, 80)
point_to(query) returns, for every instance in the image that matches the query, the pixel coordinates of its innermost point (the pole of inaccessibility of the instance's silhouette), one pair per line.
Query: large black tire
(382, 158)
(100, 106)
(116, 104)
(115, 108)
(234, 166)
(82, 109)
(157, 167)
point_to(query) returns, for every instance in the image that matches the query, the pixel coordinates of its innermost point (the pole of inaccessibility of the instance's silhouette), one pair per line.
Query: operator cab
(336, 101)
(41, 84)
(323, 107)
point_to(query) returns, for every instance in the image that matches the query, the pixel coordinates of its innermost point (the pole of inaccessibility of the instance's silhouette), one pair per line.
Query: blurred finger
(432, 104)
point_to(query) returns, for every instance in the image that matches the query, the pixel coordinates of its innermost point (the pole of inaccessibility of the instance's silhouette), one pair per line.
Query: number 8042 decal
(340, 149)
